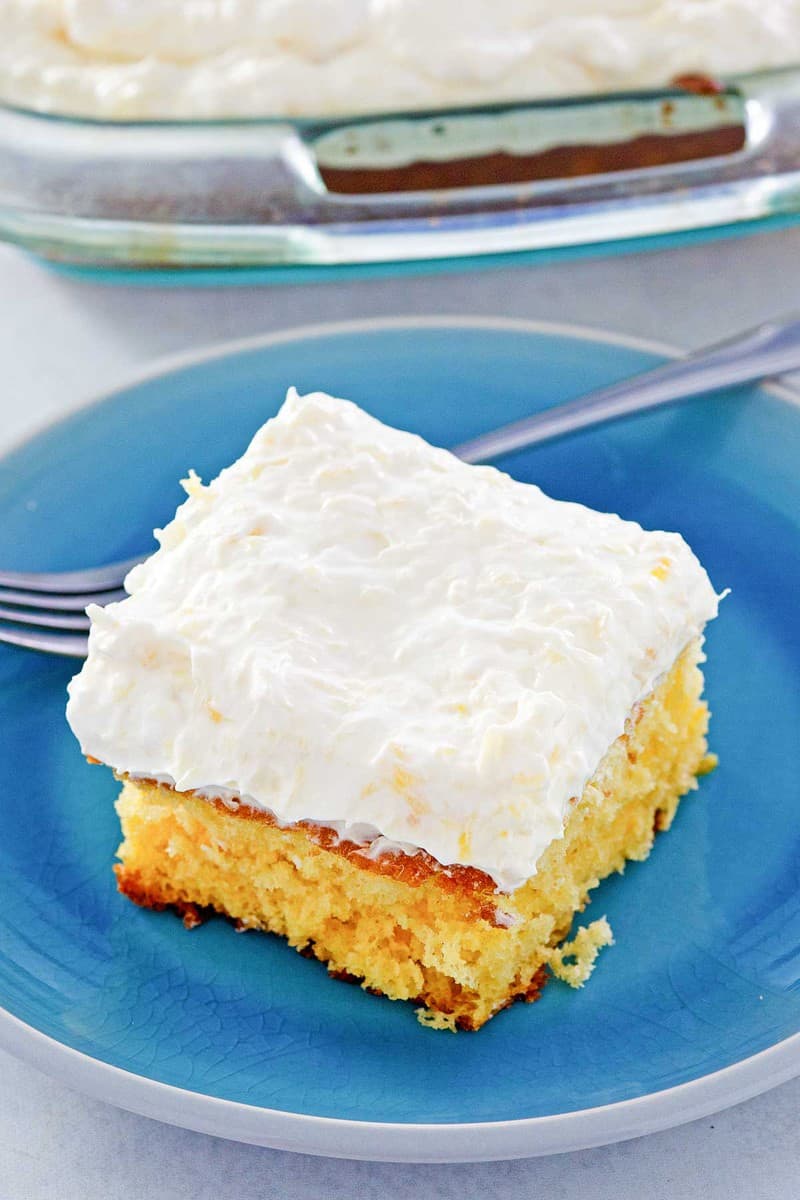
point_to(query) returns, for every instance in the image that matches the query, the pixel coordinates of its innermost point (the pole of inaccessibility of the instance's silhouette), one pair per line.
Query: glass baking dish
(399, 187)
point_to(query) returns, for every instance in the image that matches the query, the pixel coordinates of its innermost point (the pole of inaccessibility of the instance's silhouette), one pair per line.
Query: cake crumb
(436, 1020)
(583, 949)
(192, 917)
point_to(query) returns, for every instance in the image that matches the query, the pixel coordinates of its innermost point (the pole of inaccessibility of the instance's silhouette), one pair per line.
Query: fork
(45, 611)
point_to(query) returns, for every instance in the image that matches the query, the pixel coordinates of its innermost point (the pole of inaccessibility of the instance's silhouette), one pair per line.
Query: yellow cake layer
(413, 930)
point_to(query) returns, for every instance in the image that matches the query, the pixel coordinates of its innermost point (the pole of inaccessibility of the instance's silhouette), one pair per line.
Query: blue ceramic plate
(698, 1003)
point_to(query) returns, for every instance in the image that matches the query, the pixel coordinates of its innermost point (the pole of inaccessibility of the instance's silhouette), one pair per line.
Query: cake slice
(402, 711)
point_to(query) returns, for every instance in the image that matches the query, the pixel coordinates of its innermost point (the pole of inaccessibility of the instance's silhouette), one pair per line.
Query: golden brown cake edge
(468, 897)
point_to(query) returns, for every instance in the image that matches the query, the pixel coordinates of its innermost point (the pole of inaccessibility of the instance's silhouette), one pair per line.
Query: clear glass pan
(253, 193)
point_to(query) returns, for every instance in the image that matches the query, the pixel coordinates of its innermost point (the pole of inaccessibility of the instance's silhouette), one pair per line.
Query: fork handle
(770, 349)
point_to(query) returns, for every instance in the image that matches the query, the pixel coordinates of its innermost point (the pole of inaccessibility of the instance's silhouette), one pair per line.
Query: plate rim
(167, 364)
(385, 1141)
(338, 1137)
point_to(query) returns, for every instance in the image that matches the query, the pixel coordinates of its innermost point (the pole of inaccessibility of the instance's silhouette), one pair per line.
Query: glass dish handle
(767, 104)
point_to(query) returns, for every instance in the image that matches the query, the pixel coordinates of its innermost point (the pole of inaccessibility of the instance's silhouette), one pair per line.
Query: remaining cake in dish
(402, 711)
(201, 59)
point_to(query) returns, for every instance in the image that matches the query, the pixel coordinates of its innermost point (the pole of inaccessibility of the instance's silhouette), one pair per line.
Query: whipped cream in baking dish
(129, 59)
(351, 626)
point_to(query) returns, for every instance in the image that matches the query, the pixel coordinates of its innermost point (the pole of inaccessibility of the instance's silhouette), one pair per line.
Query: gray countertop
(63, 341)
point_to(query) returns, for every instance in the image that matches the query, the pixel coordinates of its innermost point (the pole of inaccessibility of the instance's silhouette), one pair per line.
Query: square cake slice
(402, 711)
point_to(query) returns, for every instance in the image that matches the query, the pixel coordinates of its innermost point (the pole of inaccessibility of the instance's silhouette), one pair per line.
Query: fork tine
(95, 579)
(70, 645)
(46, 620)
(62, 603)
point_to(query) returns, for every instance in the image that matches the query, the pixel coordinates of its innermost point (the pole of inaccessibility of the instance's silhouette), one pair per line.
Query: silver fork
(45, 611)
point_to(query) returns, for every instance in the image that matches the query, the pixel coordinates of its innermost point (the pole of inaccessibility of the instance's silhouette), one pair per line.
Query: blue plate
(698, 1003)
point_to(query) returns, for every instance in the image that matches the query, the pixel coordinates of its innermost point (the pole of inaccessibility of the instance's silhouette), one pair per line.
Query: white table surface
(63, 341)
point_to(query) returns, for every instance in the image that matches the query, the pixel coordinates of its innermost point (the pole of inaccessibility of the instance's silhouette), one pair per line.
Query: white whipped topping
(129, 59)
(351, 626)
